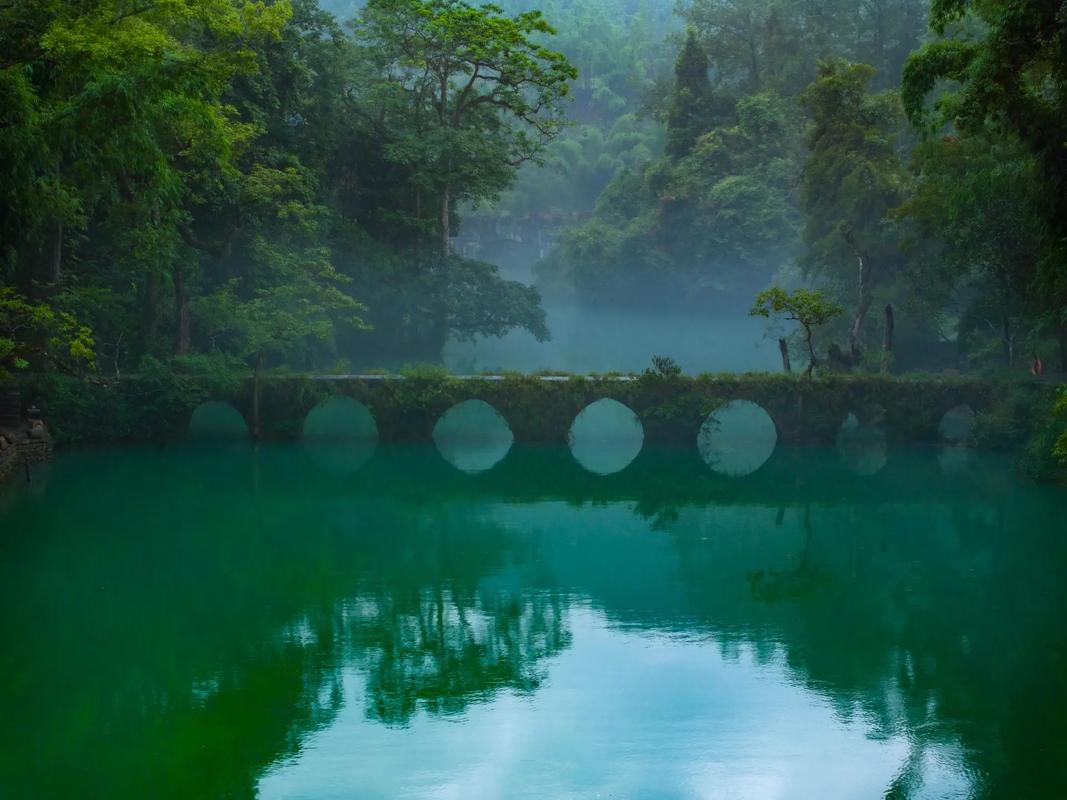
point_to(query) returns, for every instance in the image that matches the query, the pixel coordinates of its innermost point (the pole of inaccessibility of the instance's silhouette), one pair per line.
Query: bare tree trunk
(887, 342)
(753, 60)
(1008, 338)
(811, 352)
(181, 314)
(446, 220)
(115, 361)
(783, 347)
(864, 296)
(418, 228)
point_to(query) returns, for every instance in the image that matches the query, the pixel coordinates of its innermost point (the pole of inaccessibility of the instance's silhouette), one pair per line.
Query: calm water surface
(289, 622)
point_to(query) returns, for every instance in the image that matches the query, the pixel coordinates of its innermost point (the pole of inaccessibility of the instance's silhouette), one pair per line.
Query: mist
(622, 340)
(533, 399)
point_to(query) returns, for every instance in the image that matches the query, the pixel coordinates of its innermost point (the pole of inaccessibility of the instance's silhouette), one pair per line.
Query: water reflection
(955, 425)
(954, 460)
(862, 445)
(473, 436)
(215, 421)
(737, 439)
(606, 437)
(280, 635)
(340, 435)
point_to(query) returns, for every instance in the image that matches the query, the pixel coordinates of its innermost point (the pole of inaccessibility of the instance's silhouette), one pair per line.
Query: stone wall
(21, 452)
(8, 464)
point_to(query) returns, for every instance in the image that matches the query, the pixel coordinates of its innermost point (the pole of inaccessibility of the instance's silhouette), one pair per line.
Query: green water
(223, 622)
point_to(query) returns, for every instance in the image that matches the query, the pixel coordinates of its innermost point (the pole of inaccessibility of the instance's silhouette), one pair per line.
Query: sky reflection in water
(227, 621)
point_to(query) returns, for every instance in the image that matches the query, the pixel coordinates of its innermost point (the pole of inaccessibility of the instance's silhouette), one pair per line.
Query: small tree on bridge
(808, 307)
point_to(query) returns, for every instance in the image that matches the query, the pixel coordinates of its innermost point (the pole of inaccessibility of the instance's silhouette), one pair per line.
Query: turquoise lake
(313, 623)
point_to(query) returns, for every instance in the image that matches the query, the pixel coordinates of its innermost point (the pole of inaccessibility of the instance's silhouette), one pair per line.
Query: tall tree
(976, 236)
(689, 114)
(852, 180)
(481, 95)
(120, 116)
(1007, 61)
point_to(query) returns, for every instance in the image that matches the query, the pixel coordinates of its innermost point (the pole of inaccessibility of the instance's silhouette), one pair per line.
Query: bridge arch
(606, 437)
(737, 438)
(473, 436)
(216, 420)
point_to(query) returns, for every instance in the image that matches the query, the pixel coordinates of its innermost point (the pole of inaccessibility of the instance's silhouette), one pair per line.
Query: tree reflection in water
(189, 653)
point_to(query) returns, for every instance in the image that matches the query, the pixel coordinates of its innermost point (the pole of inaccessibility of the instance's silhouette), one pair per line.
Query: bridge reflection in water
(737, 439)
(282, 630)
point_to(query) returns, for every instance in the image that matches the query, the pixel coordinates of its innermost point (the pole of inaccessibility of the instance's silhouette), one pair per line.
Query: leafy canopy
(808, 307)
(35, 333)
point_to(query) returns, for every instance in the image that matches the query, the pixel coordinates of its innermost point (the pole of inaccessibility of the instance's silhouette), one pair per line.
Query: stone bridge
(671, 410)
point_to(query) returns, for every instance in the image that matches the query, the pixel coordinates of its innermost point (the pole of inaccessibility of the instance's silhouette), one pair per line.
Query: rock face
(9, 459)
(26, 445)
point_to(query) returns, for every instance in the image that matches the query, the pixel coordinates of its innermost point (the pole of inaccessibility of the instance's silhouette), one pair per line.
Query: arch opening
(473, 436)
(737, 439)
(217, 421)
(606, 437)
(340, 435)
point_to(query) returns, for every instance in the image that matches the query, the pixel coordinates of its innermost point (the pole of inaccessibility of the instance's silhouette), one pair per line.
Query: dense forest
(275, 183)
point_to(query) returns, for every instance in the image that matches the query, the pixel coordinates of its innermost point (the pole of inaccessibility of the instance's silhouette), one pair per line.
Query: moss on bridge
(671, 409)
(540, 410)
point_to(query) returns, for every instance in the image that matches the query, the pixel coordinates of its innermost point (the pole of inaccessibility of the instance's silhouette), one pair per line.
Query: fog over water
(623, 340)
(533, 400)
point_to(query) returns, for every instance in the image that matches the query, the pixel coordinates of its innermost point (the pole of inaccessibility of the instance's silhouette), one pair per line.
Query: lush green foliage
(721, 215)
(852, 179)
(1061, 441)
(618, 48)
(1000, 69)
(810, 309)
(787, 159)
(720, 220)
(252, 182)
(243, 177)
(37, 332)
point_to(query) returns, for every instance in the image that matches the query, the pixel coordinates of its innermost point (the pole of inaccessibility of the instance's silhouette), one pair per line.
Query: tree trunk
(429, 342)
(887, 342)
(864, 297)
(783, 346)
(811, 352)
(255, 397)
(446, 220)
(181, 314)
(1008, 337)
(418, 241)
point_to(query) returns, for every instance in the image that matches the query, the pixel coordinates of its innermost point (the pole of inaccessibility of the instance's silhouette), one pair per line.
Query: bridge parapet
(540, 410)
